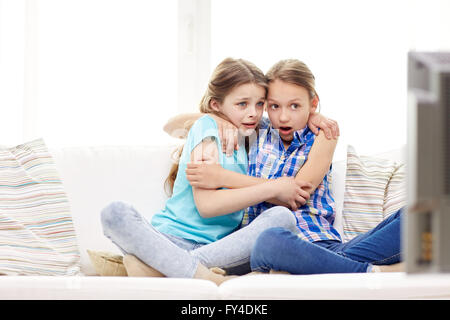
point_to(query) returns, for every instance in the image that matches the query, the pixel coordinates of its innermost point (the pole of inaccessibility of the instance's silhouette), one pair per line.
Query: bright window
(106, 70)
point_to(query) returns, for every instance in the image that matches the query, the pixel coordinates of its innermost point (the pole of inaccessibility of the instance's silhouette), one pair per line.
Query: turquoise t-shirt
(180, 216)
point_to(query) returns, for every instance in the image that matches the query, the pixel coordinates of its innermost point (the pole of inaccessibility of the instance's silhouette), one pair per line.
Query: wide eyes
(293, 106)
(245, 103)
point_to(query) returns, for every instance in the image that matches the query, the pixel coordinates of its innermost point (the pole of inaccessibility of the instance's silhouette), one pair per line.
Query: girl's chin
(244, 131)
(287, 138)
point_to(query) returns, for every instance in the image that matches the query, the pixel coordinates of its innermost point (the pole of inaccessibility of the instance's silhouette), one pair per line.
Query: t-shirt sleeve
(203, 128)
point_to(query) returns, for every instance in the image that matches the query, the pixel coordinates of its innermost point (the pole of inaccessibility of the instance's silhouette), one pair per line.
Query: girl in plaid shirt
(287, 147)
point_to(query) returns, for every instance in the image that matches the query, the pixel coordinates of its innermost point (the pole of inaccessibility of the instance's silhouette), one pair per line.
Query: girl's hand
(228, 134)
(204, 176)
(329, 126)
(290, 191)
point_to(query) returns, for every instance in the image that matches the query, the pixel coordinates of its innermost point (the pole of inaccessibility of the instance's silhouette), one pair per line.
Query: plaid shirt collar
(301, 137)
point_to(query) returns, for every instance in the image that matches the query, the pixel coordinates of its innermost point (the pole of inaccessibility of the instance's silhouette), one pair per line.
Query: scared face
(243, 107)
(288, 107)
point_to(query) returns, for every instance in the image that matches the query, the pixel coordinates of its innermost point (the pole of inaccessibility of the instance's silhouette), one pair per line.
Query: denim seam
(372, 262)
(236, 263)
(194, 268)
(385, 259)
(202, 259)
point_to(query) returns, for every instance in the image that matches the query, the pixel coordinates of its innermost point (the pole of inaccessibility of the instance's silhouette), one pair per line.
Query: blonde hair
(295, 72)
(228, 74)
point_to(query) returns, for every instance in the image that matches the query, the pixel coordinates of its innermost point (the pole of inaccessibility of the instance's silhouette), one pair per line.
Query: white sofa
(95, 176)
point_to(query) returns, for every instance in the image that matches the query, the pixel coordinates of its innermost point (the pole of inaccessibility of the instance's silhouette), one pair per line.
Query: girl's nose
(252, 111)
(284, 116)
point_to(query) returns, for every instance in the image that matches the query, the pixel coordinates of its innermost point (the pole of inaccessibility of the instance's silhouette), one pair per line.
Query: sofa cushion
(37, 236)
(338, 286)
(338, 188)
(105, 288)
(95, 176)
(369, 198)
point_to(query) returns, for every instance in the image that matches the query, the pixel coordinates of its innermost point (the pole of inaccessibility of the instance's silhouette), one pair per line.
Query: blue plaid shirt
(268, 159)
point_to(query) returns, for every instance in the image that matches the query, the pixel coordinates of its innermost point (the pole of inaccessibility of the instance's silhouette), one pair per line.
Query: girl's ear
(314, 103)
(214, 105)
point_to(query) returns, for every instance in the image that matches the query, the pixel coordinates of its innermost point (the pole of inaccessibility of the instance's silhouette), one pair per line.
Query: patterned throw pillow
(374, 189)
(395, 197)
(37, 236)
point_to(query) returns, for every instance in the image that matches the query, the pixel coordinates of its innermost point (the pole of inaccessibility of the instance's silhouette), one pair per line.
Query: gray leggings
(177, 257)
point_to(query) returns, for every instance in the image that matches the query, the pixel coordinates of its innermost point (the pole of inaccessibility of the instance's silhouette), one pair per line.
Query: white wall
(113, 71)
(357, 51)
(12, 51)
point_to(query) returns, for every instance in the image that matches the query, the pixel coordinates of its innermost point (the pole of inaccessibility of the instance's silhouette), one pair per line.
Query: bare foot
(255, 273)
(278, 272)
(137, 268)
(396, 267)
(218, 270)
(208, 274)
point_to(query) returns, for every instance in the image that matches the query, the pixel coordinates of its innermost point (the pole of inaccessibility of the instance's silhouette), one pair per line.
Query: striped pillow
(37, 236)
(395, 197)
(369, 195)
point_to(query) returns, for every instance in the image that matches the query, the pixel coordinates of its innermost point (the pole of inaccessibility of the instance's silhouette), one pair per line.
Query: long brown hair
(228, 74)
(295, 72)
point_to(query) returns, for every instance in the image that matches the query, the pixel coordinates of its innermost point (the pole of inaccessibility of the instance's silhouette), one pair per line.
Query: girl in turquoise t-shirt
(198, 228)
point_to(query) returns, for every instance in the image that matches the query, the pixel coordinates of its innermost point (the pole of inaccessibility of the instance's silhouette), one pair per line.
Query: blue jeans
(177, 257)
(279, 249)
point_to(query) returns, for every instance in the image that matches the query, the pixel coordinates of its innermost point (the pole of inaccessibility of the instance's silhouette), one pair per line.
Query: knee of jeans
(267, 239)
(112, 214)
(285, 218)
(262, 251)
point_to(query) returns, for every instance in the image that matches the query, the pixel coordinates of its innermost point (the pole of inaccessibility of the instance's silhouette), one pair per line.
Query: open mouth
(285, 130)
